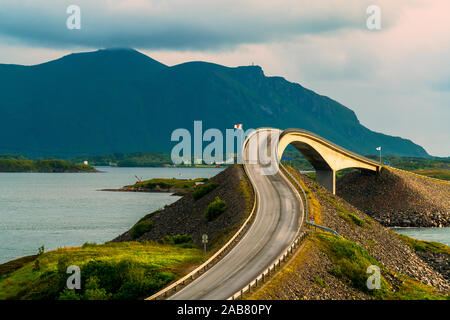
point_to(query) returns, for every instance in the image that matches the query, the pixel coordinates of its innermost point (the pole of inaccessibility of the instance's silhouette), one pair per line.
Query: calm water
(65, 209)
(441, 235)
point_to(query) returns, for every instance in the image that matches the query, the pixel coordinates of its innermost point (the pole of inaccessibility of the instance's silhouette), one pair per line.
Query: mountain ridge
(120, 100)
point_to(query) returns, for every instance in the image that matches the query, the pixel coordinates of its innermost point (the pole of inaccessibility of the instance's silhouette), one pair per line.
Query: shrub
(184, 240)
(68, 294)
(140, 228)
(350, 260)
(215, 209)
(106, 273)
(36, 265)
(203, 189)
(93, 290)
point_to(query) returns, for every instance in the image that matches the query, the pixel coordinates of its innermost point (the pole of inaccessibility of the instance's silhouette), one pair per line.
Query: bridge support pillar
(327, 178)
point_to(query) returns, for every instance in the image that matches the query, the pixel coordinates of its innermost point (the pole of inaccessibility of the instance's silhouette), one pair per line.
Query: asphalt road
(273, 229)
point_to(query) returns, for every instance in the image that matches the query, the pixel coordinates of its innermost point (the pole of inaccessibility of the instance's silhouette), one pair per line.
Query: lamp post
(379, 149)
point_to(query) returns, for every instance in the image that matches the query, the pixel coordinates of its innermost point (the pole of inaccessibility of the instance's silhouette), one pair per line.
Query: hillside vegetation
(112, 271)
(331, 267)
(177, 186)
(216, 208)
(48, 165)
(127, 102)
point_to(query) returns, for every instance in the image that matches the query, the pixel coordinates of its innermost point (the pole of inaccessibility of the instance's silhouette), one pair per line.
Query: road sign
(312, 219)
(387, 162)
(205, 238)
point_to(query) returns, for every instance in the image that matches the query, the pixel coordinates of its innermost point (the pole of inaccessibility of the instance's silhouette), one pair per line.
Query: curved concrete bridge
(326, 157)
(279, 214)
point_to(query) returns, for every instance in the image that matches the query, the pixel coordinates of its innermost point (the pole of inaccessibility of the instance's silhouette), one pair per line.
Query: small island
(176, 186)
(43, 166)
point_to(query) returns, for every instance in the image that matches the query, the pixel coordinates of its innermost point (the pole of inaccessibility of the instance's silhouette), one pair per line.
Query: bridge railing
(283, 257)
(313, 225)
(178, 285)
(310, 224)
(272, 268)
(334, 145)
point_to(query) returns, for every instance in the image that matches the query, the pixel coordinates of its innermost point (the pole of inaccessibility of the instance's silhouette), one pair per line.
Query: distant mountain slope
(119, 100)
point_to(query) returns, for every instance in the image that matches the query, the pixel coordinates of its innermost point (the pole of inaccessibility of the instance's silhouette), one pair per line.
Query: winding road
(275, 226)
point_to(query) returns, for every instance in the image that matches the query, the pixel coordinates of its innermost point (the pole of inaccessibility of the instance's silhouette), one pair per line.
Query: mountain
(119, 100)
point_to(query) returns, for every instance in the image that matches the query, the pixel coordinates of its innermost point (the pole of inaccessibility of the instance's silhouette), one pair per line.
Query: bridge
(278, 214)
(326, 157)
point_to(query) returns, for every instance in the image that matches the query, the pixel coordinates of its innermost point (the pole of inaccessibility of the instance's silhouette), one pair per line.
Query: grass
(48, 165)
(204, 189)
(127, 270)
(443, 174)
(420, 245)
(313, 203)
(350, 262)
(320, 282)
(344, 213)
(163, 183)
(311, 175)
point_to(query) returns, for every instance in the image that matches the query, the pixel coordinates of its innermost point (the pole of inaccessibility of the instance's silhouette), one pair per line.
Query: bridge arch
(326, 157)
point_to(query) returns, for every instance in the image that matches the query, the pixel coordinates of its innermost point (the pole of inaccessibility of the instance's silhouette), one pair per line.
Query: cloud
(178, 24)
(395, 79)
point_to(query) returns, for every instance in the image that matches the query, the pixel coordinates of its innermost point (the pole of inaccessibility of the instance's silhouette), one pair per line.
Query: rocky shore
(398, 199)
(309, 275)
(186, 216)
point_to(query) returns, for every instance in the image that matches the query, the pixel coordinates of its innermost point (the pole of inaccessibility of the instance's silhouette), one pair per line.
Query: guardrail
(306, 200)
(283, 256)
(322, 228)
(171, 289)
(261, 278)
(300, 187)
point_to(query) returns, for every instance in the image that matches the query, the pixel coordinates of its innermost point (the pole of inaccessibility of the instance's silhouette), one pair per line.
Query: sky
(396, 79)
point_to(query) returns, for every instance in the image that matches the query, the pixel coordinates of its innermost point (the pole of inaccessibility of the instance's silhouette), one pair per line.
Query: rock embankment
(398, 199)
(309, 275)
(186, 216)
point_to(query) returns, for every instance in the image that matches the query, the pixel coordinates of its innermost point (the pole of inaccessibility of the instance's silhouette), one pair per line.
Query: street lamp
(379, 149)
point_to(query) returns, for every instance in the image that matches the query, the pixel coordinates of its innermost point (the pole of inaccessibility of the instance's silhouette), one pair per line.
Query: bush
(106, 274)
(185, 240)
(93, 290)
(215, 209)
(140, 228)
(350, 260)
(203, 189)
(68, 294)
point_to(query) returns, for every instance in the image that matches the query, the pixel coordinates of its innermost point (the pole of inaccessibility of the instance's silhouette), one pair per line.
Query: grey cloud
(170, 24)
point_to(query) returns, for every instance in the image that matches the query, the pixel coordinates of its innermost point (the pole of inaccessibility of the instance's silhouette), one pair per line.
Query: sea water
(66, 209)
